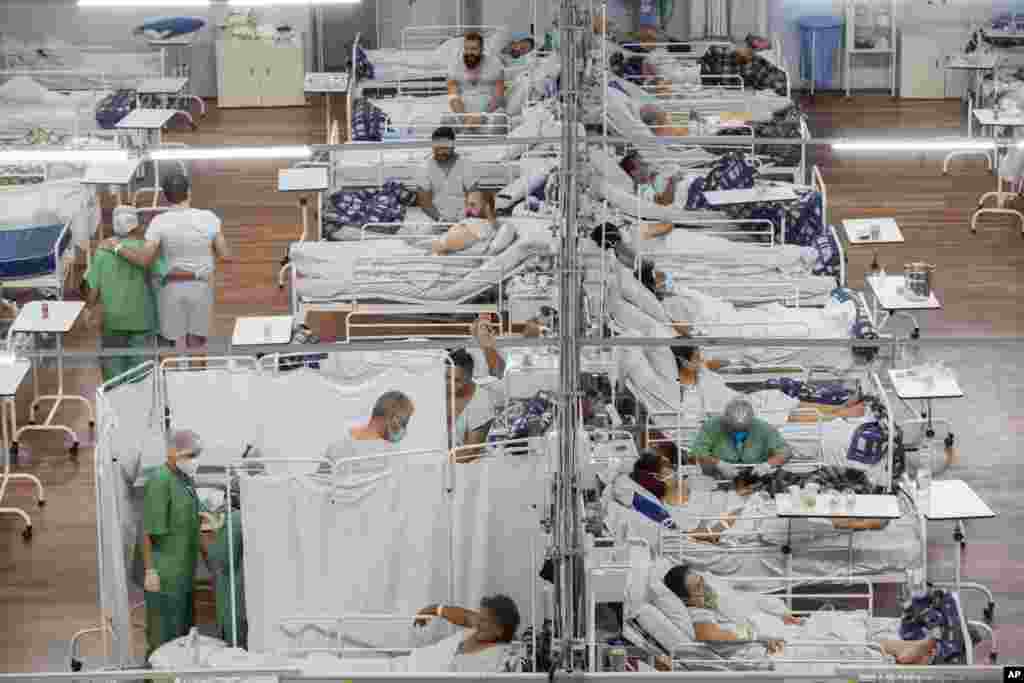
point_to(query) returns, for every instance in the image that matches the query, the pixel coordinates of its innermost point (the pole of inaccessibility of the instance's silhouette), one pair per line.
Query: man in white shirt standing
(190, 241)
(476, 88)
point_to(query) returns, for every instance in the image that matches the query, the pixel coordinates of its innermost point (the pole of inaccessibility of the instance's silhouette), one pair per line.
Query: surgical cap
(126, 219)
(738, 416)
(185, 440)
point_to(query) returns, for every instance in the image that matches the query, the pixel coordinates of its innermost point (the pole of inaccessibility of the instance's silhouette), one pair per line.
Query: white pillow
(663, 362)
(497, 41)
(634, 292)
(504, 238)
(636, 588)
(24, 90)
(638, 370)
(659, 627)
(607, 166)
(631, 317)
(667, 602)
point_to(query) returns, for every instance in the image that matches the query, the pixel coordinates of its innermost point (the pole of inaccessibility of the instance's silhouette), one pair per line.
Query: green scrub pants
(118, 365)
(168, 616)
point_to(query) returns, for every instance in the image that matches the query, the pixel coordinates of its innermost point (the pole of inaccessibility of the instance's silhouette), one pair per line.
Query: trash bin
(820, 38)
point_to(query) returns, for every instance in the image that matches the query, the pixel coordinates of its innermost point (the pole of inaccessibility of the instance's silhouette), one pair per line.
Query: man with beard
(444, 180)
(476, 86)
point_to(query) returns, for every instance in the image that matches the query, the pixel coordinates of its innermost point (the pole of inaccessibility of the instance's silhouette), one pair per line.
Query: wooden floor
(48, 586)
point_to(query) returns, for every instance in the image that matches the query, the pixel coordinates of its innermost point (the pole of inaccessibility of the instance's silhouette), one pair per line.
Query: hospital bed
(382, 276)
(67, 68)
(41, 225)
(26, 106)
(828, 639)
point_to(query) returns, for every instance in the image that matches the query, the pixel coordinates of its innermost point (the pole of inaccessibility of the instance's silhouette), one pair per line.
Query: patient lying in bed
(711, 623)
(480, 225)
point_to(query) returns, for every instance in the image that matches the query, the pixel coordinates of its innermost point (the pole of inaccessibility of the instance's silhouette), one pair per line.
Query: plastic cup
(851, 498)
(833, 498)
(810, 496)
(794, 495)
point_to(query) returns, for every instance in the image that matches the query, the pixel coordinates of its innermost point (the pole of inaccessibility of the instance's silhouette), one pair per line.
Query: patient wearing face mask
(479, 225)
(384, 432)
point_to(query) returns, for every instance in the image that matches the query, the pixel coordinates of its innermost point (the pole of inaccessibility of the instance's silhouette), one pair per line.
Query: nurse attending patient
(170, 546)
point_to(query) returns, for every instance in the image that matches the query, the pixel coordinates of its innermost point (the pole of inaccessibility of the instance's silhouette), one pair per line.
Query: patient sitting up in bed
(711, 625)
(483, 644)
(697, 372)
(479, 225)
(387, 426)
(657, 474)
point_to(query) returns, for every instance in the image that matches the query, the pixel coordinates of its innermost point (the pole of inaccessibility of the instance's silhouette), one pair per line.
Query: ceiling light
(143, 4)
(285, 3)
(912, 146)
(66, 155)
(229, 153)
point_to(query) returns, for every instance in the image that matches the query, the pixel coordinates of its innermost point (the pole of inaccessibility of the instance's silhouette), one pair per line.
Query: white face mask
(188, 467)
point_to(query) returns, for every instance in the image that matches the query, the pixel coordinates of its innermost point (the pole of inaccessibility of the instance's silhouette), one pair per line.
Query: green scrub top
(170, 517)
(218, 558)
(129, 303)
(763, 441)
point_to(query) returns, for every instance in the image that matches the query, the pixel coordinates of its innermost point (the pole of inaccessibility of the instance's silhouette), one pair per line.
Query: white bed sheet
(819, 550)
(328, 270)
(57, 201)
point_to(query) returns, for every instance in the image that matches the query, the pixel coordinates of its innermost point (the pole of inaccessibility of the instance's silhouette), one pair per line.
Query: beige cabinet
(258, 74)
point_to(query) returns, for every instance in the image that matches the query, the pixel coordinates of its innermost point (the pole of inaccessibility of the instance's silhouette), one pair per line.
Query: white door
(922, 68)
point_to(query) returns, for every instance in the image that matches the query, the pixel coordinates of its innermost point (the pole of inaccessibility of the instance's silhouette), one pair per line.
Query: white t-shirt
(477, 86)
(348, 448)
(186, 238)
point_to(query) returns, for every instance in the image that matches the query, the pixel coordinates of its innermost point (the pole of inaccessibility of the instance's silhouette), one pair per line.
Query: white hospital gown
(492, 660)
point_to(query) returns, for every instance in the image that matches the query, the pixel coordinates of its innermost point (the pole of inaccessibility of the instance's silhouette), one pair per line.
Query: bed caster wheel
(41, 502)
(14, 450)
(27, 533)
(949, 441)
(73, 451)
(76, 665)
(989, 613)
(993, 658)
(92, 424)
(929, 433)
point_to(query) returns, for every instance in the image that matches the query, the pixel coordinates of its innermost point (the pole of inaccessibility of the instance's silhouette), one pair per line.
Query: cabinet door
(922, 69)
(239, 80)
(282, 77)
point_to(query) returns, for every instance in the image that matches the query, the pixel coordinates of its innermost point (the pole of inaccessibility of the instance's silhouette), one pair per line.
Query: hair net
(738, 416)
(185, 440)
(126, 219)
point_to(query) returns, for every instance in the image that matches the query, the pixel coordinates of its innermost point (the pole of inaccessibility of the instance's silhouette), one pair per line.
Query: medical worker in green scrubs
(170, 547)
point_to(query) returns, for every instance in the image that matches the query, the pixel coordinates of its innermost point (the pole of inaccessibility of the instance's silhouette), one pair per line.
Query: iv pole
(568, 558)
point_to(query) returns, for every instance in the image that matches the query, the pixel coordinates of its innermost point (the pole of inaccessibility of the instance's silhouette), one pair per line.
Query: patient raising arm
(479, 225)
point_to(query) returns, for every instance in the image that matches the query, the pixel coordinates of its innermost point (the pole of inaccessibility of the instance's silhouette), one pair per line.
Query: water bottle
(924, 477)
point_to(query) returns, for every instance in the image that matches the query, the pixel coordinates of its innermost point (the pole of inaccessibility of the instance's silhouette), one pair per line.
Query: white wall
(63, 19)
(749, 16)
(949, 19)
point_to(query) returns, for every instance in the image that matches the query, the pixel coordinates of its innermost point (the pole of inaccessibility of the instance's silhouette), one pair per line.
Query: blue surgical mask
(739, 438)
(396, 437)
(666, 282)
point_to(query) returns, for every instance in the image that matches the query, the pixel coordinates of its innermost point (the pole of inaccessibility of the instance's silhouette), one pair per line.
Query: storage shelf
(850, 51)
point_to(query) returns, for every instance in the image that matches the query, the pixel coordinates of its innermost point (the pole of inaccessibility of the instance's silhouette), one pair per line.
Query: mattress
(28, 251)
(328, 271)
